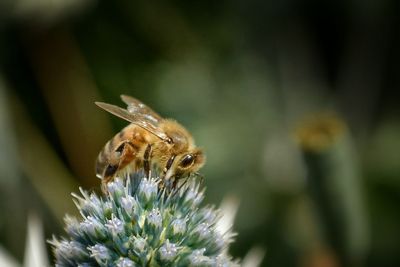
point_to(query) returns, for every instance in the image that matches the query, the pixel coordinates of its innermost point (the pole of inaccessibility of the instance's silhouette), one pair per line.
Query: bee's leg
(161, 185)
(186, 180)
(122, 149)
(168, 166)
(109, 174)
(122, 156)
(104, 186)
(125, 153)
(180, 187)
(175, 182)
(146, 161)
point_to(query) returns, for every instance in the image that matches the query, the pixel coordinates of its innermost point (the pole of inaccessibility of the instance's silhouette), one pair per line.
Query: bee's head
(186, 163)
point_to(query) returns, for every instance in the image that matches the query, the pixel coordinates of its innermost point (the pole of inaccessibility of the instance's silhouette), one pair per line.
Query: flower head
(139, 223)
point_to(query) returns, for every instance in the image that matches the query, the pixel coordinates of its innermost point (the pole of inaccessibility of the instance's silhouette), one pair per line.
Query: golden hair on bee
(149, 141)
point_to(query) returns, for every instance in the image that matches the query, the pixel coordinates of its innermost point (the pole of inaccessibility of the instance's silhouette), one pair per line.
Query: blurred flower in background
(294, 102)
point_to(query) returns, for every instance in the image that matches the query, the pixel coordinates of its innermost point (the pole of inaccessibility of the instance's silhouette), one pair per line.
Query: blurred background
(294, 102)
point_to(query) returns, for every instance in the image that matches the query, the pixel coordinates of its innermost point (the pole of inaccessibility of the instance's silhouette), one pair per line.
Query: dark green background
(240, 75)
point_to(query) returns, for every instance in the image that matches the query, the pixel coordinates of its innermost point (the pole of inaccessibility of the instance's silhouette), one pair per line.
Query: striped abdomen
(123, 149)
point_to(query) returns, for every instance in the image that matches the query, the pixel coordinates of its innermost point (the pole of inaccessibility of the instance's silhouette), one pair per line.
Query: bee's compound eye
(187, 161)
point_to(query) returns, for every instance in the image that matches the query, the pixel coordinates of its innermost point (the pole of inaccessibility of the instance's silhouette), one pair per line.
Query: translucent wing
(137, 107)
(135, 118)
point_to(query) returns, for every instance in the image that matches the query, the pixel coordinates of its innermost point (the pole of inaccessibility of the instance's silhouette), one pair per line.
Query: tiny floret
(148, 189)
(115, 226)
(203, 230)
(100, 253)
(125, 262)
(139, 245)
(193, 196)
(198, 259)
(93, 228)
(178, 226)
(168, 251)
(128, 203)
(154, 218)
(115, 187)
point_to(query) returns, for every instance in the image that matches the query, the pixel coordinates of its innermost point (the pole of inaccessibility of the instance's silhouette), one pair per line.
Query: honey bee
(148, 142)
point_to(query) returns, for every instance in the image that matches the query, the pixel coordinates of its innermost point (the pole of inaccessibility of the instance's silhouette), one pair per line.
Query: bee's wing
(136, 118)
(137, 107)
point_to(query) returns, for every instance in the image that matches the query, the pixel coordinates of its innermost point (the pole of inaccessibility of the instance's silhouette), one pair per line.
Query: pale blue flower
(138, 224)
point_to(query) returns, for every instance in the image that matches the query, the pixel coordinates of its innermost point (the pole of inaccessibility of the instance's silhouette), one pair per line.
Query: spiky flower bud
(140, 223)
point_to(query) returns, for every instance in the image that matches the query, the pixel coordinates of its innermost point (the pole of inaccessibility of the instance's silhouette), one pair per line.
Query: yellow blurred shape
(318, 132)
